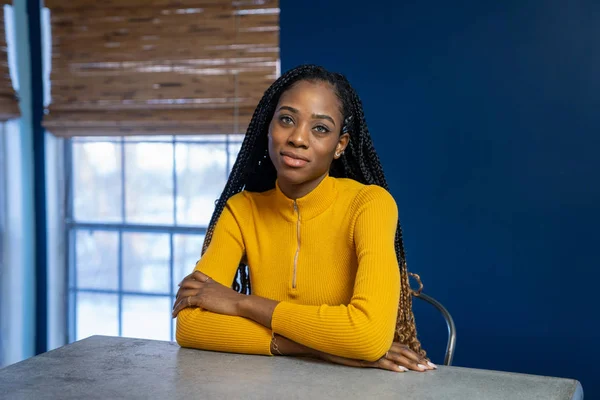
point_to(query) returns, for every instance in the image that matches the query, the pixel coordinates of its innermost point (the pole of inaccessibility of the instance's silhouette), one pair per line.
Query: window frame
(72, 226)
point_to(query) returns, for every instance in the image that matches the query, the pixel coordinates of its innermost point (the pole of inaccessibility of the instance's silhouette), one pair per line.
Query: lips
(293, 160)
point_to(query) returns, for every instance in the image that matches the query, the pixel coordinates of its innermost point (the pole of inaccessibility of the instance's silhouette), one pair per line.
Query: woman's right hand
(399, 358)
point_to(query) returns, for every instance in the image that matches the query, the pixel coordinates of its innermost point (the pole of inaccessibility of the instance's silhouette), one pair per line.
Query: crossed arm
(199, 290)
(212, 316)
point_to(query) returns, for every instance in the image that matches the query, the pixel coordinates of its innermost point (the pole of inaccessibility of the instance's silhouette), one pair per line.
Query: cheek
(278, 136)
(326, 150)
(273, 131)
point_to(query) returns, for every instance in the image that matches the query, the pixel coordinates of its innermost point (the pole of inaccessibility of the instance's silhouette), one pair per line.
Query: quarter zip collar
(309, 206)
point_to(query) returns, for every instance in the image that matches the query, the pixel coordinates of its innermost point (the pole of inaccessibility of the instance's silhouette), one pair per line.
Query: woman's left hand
(399, 358)
(199, 290)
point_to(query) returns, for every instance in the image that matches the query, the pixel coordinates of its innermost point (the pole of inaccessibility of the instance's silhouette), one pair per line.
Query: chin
(293, 176)
(296, 176)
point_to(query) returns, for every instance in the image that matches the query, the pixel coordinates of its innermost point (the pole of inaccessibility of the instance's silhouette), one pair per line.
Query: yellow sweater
(329, 259)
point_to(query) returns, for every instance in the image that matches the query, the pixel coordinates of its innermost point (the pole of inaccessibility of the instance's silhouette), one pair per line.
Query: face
(304, 134)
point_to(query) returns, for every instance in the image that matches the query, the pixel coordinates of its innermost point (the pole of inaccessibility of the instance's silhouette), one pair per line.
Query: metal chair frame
(451, 345)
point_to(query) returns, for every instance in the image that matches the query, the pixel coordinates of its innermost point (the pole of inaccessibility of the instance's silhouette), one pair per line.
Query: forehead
(312, 97)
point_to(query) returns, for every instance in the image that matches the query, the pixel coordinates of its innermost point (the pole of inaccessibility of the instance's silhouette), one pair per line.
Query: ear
(341, 145)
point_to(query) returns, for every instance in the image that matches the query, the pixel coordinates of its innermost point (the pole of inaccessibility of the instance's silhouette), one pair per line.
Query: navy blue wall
(486, 116)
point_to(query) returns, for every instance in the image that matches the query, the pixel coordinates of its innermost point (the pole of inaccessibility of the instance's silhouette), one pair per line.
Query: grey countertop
(103, 367)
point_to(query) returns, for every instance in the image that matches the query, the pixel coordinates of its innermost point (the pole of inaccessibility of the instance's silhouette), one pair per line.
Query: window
(137, 212)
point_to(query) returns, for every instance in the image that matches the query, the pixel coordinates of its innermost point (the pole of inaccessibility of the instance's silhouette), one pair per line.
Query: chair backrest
(450, 347)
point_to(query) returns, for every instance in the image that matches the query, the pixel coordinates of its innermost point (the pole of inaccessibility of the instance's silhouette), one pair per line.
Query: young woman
(306, 208)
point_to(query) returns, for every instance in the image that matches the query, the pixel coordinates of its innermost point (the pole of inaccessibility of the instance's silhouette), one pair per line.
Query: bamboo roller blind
(131, 67)
(9, 105)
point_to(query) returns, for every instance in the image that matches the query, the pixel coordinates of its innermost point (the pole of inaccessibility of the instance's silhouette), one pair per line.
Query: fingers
(390, 365)
(194, 280)
(381, 363)
(197, 276)
(406, 362)
(403, 354)
(180, 304)
(185, 298)
(189, 277)
(384, 363)
(189, 284)
(388, 362)
(185, 293)
(411, 355)
(407, 352)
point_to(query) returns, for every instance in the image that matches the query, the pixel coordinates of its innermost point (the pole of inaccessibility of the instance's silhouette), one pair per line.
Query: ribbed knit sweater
(329, 259)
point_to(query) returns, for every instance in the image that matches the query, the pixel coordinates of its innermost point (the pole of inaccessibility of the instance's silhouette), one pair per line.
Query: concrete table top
(103, 367)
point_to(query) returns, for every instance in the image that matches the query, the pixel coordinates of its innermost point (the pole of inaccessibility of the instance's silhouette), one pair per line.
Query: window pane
(149, 183)
(147, 317)
(96, 261)
(186, 252)
(97, 314)
(146, 259)
(97, 181)
(201, 177)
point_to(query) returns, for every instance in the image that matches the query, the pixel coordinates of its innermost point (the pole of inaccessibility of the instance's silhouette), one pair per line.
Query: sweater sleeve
(205, 330)
(364, 328)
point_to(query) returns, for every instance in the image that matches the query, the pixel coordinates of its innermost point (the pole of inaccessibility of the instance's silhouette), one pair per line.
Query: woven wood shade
(9, 104)
(138, 67)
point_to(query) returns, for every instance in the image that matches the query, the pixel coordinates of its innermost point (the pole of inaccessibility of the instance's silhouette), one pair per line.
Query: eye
(287, 120)
(322, 129)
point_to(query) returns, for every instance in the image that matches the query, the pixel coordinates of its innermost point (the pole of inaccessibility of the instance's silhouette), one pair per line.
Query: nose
(299, 138)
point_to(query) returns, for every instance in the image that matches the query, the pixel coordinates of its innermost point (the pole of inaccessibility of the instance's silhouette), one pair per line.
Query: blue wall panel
(485, 115)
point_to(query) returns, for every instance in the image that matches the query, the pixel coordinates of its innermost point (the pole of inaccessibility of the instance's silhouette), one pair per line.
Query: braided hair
(253, 171)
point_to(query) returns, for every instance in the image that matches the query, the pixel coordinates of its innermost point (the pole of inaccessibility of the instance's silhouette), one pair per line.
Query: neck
(297, 190)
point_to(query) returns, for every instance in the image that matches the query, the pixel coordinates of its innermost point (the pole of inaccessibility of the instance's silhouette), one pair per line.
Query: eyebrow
(315, 116)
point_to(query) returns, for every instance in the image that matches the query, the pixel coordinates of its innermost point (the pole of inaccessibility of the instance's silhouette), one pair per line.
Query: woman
(306, 208)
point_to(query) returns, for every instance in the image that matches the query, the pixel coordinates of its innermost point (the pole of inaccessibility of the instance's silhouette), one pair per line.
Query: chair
(449, 322)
